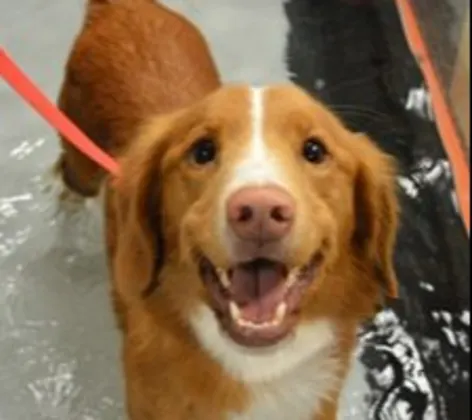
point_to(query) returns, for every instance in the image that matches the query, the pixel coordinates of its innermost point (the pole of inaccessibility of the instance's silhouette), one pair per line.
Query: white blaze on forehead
(257, 165)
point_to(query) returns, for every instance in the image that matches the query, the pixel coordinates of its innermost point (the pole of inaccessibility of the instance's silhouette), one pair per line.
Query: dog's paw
(79, 219)
(59, 194)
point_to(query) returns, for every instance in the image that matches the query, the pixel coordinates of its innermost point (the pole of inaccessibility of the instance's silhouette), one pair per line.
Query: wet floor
(59, 351)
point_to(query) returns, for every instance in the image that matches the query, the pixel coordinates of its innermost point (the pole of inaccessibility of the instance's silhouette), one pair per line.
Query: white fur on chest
(296, 396)
(287, 382)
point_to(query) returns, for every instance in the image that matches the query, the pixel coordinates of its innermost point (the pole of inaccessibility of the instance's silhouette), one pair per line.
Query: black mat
(417, 351)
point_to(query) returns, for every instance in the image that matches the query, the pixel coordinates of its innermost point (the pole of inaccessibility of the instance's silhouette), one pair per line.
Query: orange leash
(445, 121)
(20, 82)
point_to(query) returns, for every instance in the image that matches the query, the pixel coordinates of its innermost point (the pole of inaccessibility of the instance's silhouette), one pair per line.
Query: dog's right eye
(314, 150)
(203, 151)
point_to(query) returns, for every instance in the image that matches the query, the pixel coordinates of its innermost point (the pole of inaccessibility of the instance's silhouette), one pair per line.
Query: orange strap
(19, 81)
(445, 121)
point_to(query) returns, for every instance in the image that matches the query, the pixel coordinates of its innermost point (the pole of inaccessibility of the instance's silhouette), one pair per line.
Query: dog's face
(259, 207)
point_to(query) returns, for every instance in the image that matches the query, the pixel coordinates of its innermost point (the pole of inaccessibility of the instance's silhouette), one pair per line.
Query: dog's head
(259, 210)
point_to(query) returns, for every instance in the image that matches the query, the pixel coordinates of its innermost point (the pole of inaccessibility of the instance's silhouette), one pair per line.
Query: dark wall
(353, 55)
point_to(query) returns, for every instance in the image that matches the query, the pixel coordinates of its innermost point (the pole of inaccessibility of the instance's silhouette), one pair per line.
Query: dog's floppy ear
(135, 219)
(377, 209)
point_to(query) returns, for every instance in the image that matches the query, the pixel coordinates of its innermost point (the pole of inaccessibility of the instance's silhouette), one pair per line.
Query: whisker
(362, 113)
(359, 109)
(369, 117)
(350, 83)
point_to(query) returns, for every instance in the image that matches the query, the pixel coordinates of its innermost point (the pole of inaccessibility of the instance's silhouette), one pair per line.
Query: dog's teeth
(235, 312)
(223, 277)
(292, 278)
(280, 313)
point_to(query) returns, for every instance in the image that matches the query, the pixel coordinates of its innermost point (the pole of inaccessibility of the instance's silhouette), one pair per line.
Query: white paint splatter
(55, 393)
(320, 84)
(427, 286)
(10, 207)
(26, 148)
(397, 342)
(427, 172)
(431, 170)
(408, 186)
(446, 316)
(454, 200)
(419, 102)
(454, 335)
(465, 317)
(450, 336)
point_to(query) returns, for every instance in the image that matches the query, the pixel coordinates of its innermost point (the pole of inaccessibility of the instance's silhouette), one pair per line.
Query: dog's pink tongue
(258, 289)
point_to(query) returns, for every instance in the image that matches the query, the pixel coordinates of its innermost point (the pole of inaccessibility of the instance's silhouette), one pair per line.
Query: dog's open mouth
(257, 301)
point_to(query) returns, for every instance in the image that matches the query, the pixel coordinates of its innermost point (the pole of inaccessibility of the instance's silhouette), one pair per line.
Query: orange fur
(139, 102)
(132, 59)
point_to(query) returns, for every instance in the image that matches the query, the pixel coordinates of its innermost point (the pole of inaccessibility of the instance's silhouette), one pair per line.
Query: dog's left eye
(203, 151)
(314, 150)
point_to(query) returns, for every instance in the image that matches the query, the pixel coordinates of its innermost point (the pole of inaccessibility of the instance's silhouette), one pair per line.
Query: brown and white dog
(249, 232)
